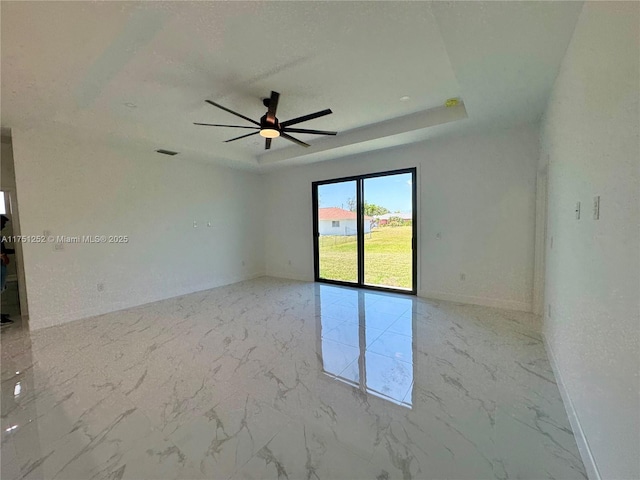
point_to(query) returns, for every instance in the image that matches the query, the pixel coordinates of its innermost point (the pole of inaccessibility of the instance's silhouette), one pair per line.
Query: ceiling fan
(269, 127)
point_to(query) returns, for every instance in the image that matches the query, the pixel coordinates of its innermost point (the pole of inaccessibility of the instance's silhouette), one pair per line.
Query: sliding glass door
(337, 228)
(365, 230)
(388, 211)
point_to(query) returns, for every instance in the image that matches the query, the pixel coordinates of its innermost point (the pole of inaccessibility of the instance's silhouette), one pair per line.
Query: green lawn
(387, 253)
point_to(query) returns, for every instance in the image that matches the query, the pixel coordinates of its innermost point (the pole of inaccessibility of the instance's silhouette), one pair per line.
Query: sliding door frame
(359, 179)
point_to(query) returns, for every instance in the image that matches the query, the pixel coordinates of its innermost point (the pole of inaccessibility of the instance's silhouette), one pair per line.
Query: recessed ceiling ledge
(376, 131)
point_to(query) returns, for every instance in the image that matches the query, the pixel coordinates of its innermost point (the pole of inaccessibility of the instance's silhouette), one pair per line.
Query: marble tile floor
(272, 378)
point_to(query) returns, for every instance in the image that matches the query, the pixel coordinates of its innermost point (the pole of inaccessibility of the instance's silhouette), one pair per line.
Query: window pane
(337, 229)
(388, 235)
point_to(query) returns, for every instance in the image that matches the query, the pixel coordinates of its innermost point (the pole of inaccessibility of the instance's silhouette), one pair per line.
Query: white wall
(477, 190)
(590, 135)
(73, 185)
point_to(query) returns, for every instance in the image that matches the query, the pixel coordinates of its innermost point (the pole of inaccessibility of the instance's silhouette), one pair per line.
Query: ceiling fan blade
(230, 126)
(294, 140)
(304, 130)
(304, 118)
(242, 136)
(232, 112)
(273, 106)
(267, 144)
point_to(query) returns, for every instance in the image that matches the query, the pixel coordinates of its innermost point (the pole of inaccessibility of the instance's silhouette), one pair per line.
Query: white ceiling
(77, 64)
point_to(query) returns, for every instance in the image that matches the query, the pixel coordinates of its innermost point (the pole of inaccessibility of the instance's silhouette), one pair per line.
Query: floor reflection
(367, 340)
(18, 399)
(271, 378)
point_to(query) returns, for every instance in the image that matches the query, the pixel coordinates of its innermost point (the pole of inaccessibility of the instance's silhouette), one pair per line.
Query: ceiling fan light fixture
(269, 132)
(269, 127)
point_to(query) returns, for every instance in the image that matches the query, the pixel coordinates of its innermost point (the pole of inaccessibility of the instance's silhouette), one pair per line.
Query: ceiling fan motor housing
(265, 123)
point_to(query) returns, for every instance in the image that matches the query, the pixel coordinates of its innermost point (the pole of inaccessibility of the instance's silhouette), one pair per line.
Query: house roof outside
(335, 213)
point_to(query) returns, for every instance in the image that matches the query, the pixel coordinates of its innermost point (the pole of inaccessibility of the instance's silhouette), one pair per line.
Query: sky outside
(392, 192)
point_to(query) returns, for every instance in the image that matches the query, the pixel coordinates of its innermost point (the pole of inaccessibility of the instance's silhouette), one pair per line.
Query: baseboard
(72, 316)
(581, 440)
(472, 300)
(448, 297)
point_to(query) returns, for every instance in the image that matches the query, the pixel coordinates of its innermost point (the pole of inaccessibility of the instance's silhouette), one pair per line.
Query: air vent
(166, 152)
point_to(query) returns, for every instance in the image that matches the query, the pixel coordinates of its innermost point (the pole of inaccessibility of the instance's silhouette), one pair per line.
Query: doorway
(365, 230)
(10, 297)
(14, 297)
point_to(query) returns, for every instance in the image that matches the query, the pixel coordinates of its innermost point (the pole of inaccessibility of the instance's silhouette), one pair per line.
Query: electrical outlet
(100, 287)
(596, 207)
